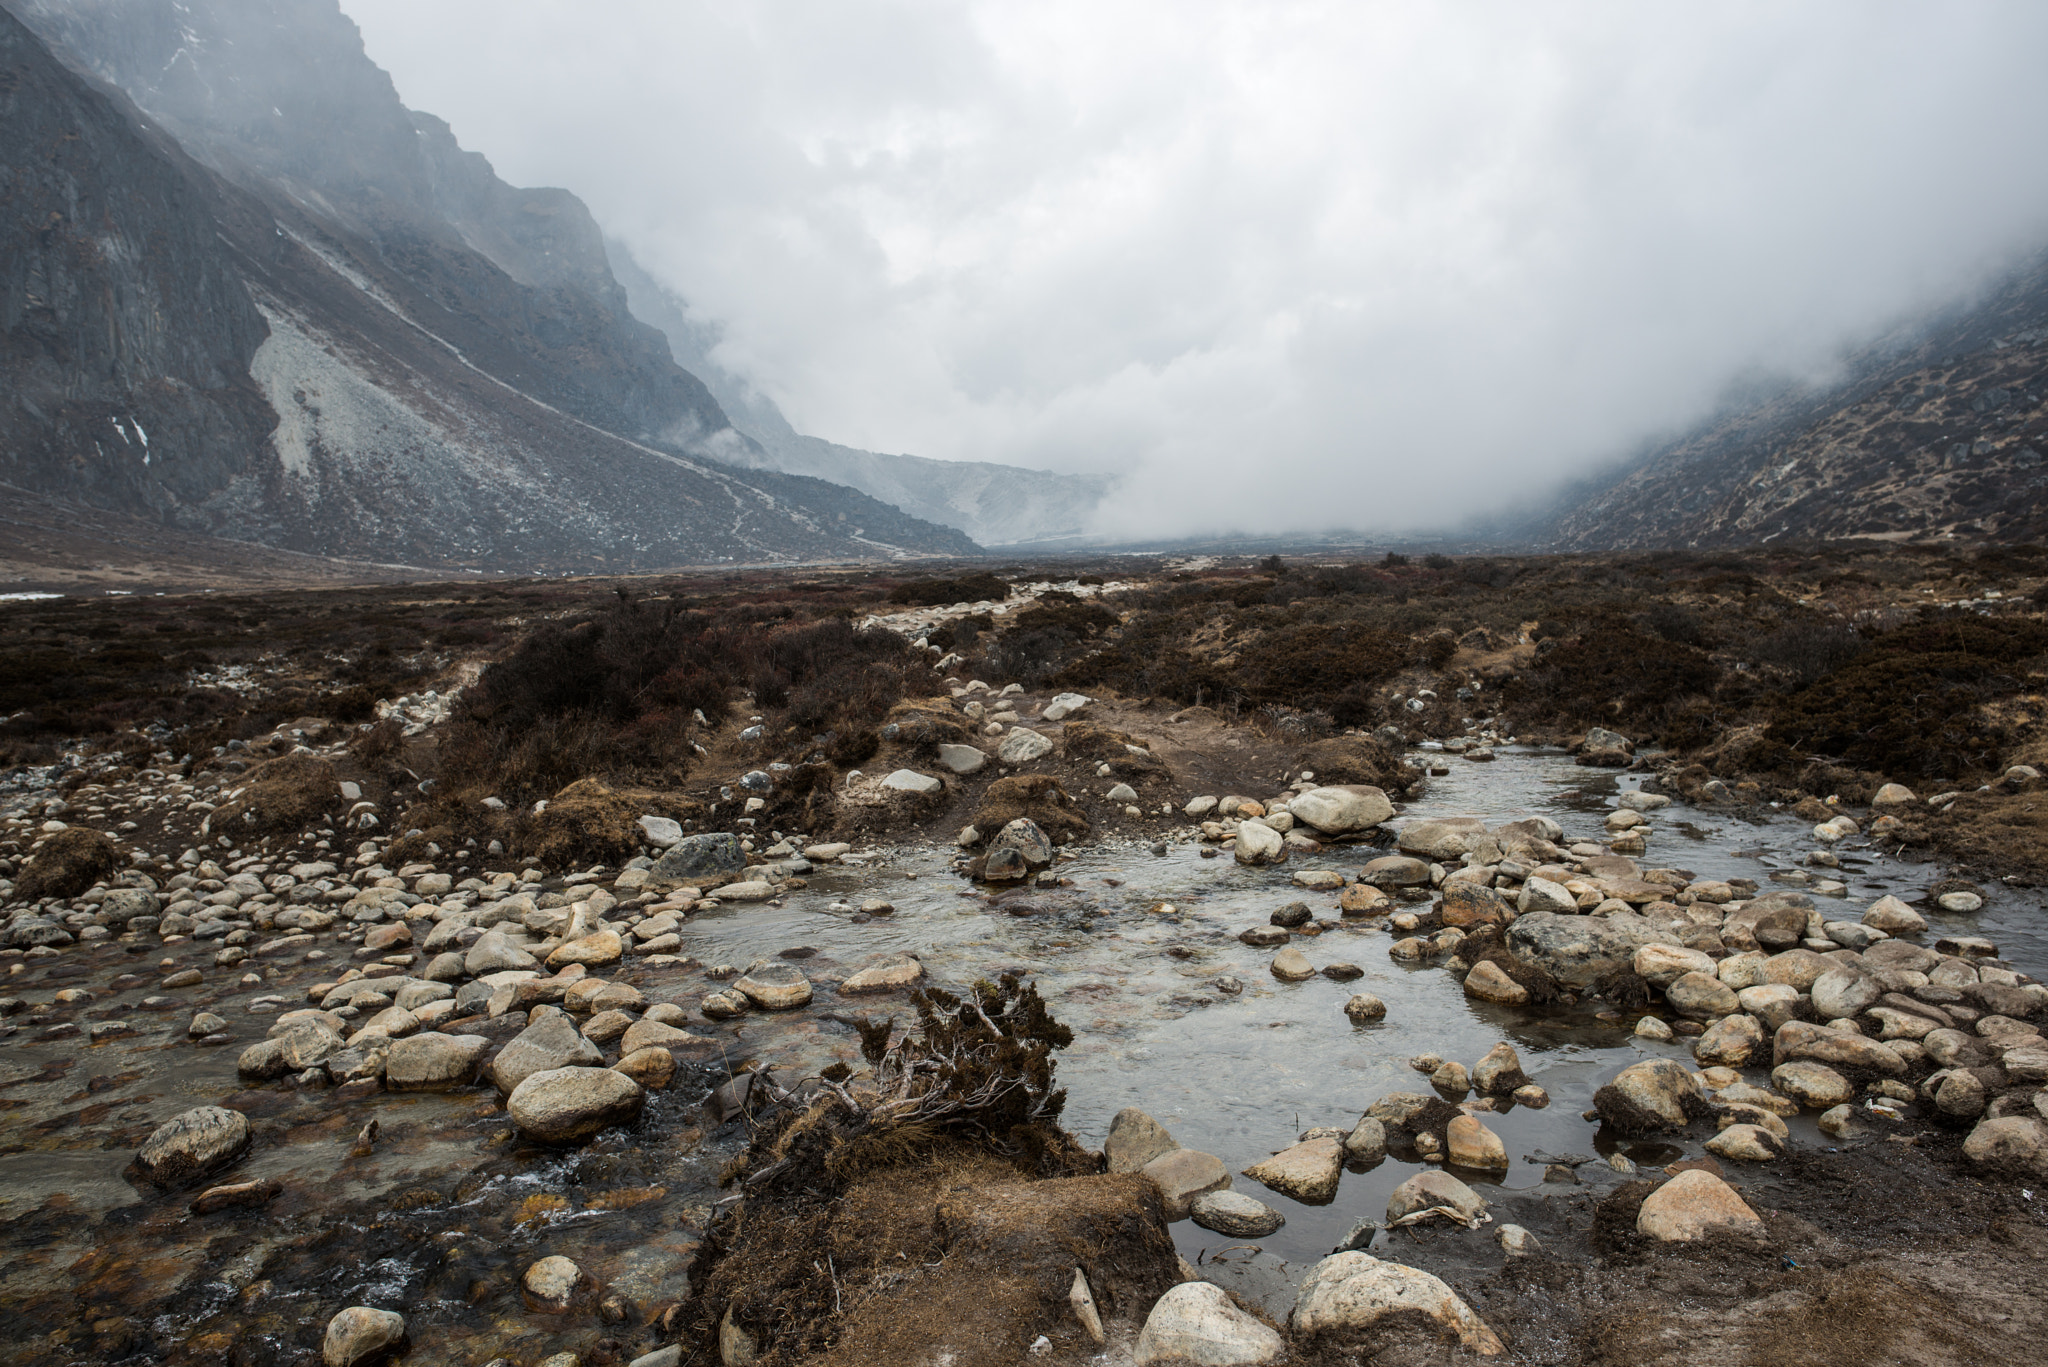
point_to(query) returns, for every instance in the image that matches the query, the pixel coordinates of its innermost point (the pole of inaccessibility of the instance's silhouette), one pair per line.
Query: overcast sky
(1284, 266)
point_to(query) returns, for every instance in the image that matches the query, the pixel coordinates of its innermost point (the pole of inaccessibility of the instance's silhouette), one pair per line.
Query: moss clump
(68, 863)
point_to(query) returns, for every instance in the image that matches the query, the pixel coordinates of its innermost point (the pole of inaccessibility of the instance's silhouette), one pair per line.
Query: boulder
(654, 1034)
(1291, 965)
(554, 1286)
(1435, 1190)
(1771, 1003)
(2016, 1144)
(1308, 1171)
(1730, 1042)
(1701, 996)
(1746, 1143)
(1259, 844)
(1197, 1322)
(1449, 839)
(1543, 895)
(1135, 1139)
(592, 951)
(1367, 1142)
(1695, 1205)
(1661, 965)
(1469, 904)
(1802, 1039)
(1472, 1145)
(1843, 992)
(1578, 951)
(1184, 1174)
(1813, 1084)
(893, 975)
(1021, 745)
(775, 987)
(695, 858)
(653, 1067)
(1349, 1297)
(552, 1041)
(1235, 1214)
(1656, 1094)
(360, 1333)
(568, 1105)
(1365, 1007)
(193, 1144)
(1489, 982)
(962, 759)
(1395, 871)
(1341, 810)
(1499, 1072)
(1894, 917)
(1028, 839)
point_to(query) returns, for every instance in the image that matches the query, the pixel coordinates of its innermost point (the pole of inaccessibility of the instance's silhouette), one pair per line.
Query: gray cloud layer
(1287, 266)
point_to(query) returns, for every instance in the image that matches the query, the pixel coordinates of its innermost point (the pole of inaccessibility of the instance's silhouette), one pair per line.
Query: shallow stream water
(440, 1214)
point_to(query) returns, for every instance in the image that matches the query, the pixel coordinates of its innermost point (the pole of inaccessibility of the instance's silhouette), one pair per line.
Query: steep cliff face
(360, 340)
(126, 332)
(1939, 432)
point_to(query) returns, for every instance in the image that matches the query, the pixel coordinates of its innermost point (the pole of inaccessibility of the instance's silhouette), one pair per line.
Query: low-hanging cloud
(1282, 266)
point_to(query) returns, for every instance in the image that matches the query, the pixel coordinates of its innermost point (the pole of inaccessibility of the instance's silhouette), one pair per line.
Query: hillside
(997, 505)
(1936, 432)
(273, 305)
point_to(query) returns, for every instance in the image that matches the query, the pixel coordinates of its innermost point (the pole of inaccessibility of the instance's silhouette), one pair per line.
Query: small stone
(1367, 1142)
(1649, 1027)
(775, 987)
(1308, 1172)
(1235, 1214)
(1365, 1007)
(1135, 1139)
(554, 1285)
(1517, 1242)
(1451, 1079)
(359, 1333)
(1184, 1174)
(193, 1144)
(1695, 1205)
(1291, 965)
(1812, 1084)
(1748, 1143)
(1432, 1189)
(1489, 982)
(1472, 1145)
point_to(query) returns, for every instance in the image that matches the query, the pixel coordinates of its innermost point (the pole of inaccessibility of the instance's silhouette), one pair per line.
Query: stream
(441, 1212)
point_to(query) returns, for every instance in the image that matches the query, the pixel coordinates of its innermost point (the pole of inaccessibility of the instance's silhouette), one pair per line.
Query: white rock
(1196, 1321)
(1022, 746)
(962, 759)
(1346, 1294)
(1064, 706)
(911, 781)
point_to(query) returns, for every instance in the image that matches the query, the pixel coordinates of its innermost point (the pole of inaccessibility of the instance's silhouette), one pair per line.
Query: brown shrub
(1086, 740)
(924, 724)
(68, 863)
(1037, 796)
(1358, 759)
(590, 823)
(280, 797)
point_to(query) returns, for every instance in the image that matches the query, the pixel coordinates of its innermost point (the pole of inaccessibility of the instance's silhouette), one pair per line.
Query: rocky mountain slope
(1937, 432)
(273, 304)
(995, 504)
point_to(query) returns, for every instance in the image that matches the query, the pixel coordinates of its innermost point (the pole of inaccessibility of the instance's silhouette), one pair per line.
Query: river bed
(441, 1211)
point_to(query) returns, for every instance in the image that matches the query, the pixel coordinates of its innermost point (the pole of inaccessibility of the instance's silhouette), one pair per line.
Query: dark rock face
(125, 330)
(343, 333)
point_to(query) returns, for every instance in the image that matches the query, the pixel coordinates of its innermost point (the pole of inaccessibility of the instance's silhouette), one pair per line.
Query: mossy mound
(68, 863)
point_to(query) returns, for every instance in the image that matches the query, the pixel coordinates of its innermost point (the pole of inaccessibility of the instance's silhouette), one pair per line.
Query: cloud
(1285, 266)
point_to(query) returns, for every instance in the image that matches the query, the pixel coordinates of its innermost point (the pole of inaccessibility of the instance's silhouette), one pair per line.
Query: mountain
(249, 294)
(1934, 432)
(995, 504)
